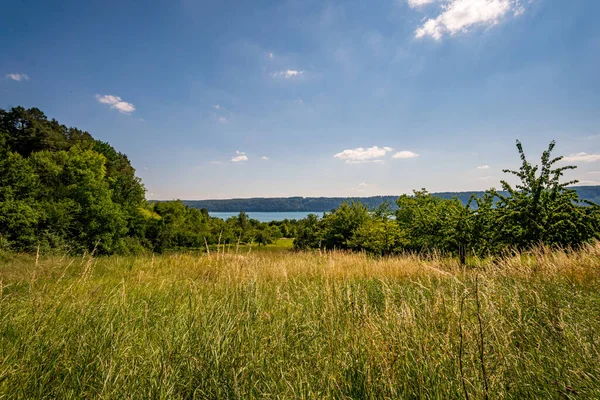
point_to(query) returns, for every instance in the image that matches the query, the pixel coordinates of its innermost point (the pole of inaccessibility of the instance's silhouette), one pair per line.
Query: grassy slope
(285, 325)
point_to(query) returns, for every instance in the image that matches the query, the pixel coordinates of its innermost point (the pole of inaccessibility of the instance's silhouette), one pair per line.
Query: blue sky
(313, 98)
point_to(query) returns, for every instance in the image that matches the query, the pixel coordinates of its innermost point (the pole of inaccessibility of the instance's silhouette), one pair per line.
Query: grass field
(274, 324)
(281, 245)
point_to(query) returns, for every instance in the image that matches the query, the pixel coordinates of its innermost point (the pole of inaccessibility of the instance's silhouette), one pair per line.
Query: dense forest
(321, 204)
(63, 191)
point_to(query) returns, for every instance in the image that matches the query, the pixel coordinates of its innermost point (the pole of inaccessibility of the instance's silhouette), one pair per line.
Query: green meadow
(272, 323)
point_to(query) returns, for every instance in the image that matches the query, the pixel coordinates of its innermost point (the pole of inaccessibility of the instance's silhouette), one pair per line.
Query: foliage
(62, 190)
(539, 210)
(543, 210)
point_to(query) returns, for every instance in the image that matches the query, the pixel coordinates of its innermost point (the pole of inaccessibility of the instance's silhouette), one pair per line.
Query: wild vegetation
(247, 324)
(431, 298)
(63, 191)
(540, 209)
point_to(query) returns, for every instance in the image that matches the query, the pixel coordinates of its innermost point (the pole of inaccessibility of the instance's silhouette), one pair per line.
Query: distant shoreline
(323, 204)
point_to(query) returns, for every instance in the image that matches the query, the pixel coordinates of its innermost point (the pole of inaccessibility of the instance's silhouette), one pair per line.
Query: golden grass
(301, 325)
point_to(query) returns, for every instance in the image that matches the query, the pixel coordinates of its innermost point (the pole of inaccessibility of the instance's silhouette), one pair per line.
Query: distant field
(277, 324)
(281, 245)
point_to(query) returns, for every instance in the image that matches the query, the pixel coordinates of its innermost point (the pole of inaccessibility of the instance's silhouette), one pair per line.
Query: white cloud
(222, 120)
(241, 156)
(484, 178)
(362, 155)
(361, 187)
(215, 162)
(217, 107)
(405, 154)
(117, 103)
(460, 15)
(108, 99)
(264, 158)
(582, 157)
(17, 77)
(483, 167)
(594, 172)
(271, 56)
(288, 74)
(419, 3)
(124, 107)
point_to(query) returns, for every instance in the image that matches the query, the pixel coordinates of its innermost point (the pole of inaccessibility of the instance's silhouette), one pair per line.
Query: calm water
(268, 216)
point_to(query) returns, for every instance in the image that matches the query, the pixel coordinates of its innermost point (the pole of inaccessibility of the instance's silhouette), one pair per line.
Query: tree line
(62, 190)
(539, 210)
(323, 204)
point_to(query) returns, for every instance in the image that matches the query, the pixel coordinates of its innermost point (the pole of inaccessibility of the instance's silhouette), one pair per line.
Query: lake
(268, 216)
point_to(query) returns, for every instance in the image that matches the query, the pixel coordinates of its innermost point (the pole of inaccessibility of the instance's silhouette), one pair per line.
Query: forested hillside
(61, 191)
(321, 204)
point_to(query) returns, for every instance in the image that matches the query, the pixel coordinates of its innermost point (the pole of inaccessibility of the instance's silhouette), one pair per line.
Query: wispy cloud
(17, 77)
(483, 167)
(484, 178)
(405, 154)
(582, 157)
(264, 158)
(361, 155)
(288, 74)
(240, 157)
(419, 3)
(217, 107)
(223, 120)
(461, 15)
(361, 187)
(215, 162)
(271, 56)
(117, 103)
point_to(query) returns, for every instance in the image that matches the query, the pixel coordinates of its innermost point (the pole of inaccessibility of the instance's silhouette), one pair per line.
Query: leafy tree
(265, 235)
(431, 223)
(30, 131)
(77, 201)
(340, 225)
(309, 233)
(541, 209)
(55, 186)
(19, 214)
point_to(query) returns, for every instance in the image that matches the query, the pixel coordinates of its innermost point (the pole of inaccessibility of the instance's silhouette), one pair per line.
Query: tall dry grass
(301, 325)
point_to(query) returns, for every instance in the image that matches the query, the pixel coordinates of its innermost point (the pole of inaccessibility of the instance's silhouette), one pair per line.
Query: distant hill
(320, 204)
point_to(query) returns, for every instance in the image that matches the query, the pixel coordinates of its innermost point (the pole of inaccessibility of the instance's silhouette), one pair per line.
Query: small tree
(340, 225)
(432, 223)
(309, 233)
(541, 209)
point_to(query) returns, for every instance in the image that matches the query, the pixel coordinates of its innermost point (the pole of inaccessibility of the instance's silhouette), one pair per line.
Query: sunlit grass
(300, 325)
